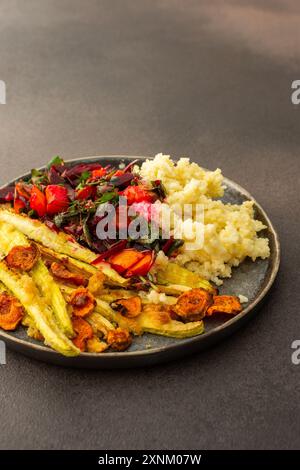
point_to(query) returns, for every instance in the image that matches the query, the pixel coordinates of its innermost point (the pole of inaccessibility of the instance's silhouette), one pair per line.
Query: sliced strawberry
(98, 173)
(19, 205)
(57, 199)
(137, 194)
(86, 193)
(38, 201)
(23, 190)
(142, 267)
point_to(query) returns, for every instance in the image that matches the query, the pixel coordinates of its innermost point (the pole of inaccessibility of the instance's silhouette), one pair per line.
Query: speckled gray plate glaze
(253, 280)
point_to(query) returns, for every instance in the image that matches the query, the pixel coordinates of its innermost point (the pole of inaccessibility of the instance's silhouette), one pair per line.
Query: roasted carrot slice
(125, 259)
(84, 333)
(228, 304)
(11, 312)
(83, 302)
(19, 205)
(119, 339)
(142, 267)
(22, 257)
(61, 272)
(192, 305)
(130, 308)
(113, 250)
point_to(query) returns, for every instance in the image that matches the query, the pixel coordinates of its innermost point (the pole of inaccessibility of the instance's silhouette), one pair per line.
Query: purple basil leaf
(76, 170)
(71, 192)
(54, 177)
(114, 249)
(139, 247)
(59, 168)
(130, 165)
(7, 194)
(167, 245)
(122, 181)
(99, 246)
(74, 229)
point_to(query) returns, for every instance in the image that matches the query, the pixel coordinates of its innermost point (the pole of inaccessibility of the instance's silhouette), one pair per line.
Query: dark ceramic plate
(253, 280)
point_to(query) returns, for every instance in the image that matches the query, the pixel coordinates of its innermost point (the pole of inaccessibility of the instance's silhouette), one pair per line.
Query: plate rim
(234, 321)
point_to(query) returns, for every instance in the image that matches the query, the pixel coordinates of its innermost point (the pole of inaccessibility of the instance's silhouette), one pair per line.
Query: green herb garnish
(55, 161)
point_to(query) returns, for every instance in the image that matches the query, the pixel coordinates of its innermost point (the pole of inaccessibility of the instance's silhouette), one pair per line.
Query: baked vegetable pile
(50, 286)
(77, 293)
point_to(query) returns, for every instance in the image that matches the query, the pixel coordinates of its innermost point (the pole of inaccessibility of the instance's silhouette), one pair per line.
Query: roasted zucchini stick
(39, 232)
(110, 295)
(99, 323)
(154, 321)
(80, 267)
(127, 323)
(53, 296)
(175, 274)
(31, 328)
(149, 321)
(172, 289)
(25, 290)
(11, 237)
(60, 243)
(2, 288)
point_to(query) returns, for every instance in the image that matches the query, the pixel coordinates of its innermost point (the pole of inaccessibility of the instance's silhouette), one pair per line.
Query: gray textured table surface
(186, 78)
